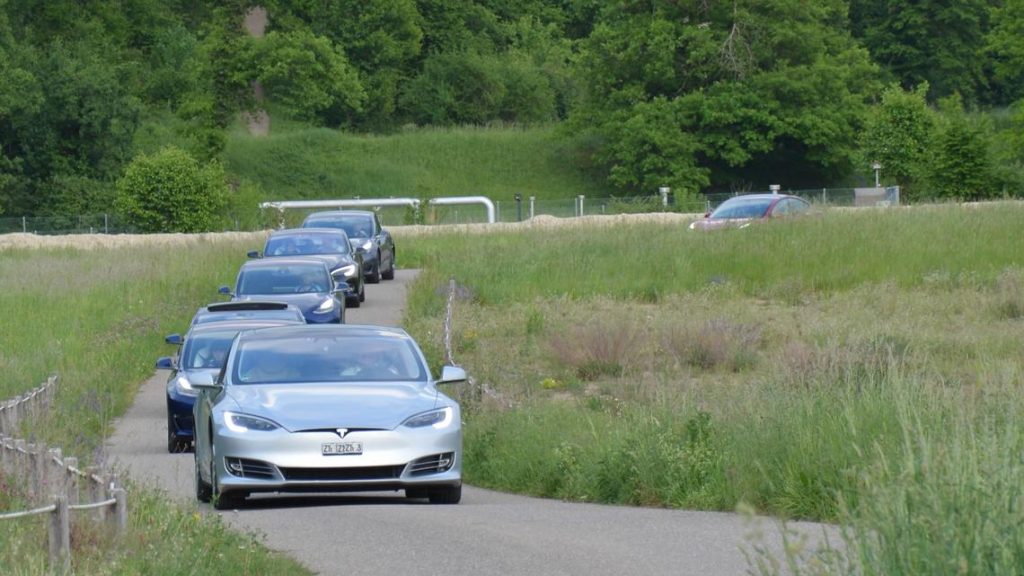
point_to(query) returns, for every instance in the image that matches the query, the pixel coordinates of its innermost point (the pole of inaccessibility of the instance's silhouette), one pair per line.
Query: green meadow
(862, 368)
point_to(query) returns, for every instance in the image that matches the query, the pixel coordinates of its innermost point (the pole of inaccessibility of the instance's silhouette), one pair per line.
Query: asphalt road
(488, 533)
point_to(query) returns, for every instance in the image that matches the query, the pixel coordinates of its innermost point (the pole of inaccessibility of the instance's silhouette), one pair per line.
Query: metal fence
(506, 210)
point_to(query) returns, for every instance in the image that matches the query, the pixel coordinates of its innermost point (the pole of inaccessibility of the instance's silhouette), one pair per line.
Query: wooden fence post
(60, 538)
(120, 515)
(70, 476)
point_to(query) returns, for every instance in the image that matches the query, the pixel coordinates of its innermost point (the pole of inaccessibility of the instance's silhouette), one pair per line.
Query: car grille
(339, 474)
(432, 464)
(245, 468)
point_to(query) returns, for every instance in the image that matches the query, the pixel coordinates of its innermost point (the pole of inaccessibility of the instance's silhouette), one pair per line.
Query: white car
(326, 408)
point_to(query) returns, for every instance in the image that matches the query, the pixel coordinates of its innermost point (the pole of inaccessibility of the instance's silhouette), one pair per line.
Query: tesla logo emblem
(341, 432)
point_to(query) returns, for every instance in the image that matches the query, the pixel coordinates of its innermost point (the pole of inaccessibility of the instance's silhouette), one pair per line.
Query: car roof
(311, 231)
(237, 325)
(281, 262)
(326, 330)
(330, 213)
(766, 196)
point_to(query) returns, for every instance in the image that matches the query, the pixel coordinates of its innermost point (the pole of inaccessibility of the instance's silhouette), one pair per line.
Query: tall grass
(97, 318)
(877, 384)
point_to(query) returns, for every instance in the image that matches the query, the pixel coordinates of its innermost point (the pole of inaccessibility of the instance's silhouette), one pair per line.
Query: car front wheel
(445, 494)
(204, 491)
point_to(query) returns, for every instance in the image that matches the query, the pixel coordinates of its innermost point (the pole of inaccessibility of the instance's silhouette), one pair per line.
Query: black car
(330, 245)
(364, 230)
(303, 282)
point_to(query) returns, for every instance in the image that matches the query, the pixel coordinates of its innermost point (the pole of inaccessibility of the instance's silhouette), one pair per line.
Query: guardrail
(53, 482)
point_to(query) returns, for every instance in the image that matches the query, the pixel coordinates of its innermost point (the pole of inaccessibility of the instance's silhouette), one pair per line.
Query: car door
(386, 244)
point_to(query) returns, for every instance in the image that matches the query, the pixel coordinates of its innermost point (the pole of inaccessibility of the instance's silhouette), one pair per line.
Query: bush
(170, 192)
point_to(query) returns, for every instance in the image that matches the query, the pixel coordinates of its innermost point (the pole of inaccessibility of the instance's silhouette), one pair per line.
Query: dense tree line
(702, 96)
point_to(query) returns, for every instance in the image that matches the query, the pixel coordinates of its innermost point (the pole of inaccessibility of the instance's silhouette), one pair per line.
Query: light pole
(877, 167)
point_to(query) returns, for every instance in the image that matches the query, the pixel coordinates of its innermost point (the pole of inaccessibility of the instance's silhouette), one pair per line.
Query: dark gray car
(367, 235)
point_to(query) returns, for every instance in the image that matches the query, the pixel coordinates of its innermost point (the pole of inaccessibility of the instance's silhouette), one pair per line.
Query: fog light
(234, 466)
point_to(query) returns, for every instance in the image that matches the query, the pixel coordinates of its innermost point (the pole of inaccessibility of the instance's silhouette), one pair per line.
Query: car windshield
(356, 225)
(294, 279)
(294, 245)
(207, 350)
(742, 208)
(328, 359)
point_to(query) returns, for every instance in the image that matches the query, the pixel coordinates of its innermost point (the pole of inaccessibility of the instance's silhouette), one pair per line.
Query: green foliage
(308, 76)
(170, 192)
(1005, 45)
(710, 92)
(937, 43)
(898, 135)
(959, 167)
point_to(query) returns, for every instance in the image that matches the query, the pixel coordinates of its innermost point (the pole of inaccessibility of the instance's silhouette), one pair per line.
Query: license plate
(341, 448)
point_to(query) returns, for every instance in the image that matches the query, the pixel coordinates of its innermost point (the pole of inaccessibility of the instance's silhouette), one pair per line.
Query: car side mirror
(224, 290)
(165, 363)
(173, 339)
(253, 254)
(452, 375)
(203, 381)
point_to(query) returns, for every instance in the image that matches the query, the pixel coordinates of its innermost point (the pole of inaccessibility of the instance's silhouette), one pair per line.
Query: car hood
(718, 223)
(332, 260)
(350, 405)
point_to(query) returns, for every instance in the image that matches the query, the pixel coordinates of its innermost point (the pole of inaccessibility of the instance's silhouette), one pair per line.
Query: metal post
(24, 225)
(774, 188)
(106, 224)
(519, 207)
(120, 516)
(579, 205)
(664, 190)
(532, 200)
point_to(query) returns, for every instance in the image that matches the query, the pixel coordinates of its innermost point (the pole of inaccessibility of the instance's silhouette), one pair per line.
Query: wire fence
(477, 390)
(506, 210)
(52, 483)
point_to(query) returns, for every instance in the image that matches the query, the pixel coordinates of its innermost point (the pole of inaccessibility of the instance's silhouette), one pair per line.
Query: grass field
(860, 368)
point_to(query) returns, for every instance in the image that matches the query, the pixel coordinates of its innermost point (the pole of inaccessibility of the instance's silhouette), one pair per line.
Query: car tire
(446, 494)
(374, 276)
(352, 301)
(175, 445)
(390, 273)
(226, 500)
(204, 491)
(362, 292)
(417, 493)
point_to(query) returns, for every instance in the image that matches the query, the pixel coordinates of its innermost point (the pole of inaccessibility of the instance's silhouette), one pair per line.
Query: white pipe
(453, 200)
(348, 202)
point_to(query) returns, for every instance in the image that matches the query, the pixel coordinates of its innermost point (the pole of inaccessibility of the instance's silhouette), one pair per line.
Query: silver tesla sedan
(326, 408)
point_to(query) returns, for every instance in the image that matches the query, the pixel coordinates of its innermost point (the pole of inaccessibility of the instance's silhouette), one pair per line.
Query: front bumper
(179, 412)
(282, 461)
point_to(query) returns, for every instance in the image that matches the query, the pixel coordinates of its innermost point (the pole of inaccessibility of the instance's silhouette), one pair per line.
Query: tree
(308, 75)
(1005, 47)
(959, 163)
(171, 192)
(897, 135)
(775, 88)
(935, 41)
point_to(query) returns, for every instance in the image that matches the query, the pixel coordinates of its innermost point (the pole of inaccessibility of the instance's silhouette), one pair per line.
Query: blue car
(203, 349)
(305, 283)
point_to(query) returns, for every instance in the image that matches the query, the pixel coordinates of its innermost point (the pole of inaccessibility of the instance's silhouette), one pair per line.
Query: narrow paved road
(489, 533)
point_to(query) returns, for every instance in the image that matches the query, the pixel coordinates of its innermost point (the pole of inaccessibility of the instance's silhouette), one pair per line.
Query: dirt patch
(106, 241)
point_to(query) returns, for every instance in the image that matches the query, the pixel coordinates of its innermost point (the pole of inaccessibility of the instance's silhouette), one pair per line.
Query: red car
(740, 211)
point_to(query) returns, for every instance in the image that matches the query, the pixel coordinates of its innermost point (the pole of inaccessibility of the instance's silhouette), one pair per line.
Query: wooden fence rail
(52, 481)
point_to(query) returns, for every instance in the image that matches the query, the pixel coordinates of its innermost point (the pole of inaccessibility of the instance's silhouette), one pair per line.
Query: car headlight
(325, 306)
(437, 418)
(347, 271)
(182, 385)
(244, 423)
(367, 245)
